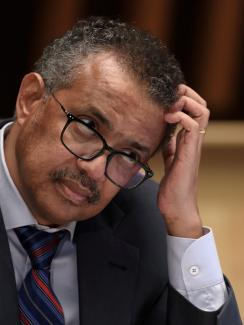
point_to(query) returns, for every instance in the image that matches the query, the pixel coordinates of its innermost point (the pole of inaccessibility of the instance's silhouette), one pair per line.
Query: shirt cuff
(193, 263)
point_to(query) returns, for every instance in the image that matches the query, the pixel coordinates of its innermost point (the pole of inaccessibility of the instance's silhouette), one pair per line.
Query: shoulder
(143, 227)
(142, 222)
(143, 198)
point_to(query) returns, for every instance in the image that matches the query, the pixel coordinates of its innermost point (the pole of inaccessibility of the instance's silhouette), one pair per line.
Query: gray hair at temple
(142, 54)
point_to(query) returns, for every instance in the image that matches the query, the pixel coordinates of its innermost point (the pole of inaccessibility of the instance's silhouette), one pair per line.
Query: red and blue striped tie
(38, 303)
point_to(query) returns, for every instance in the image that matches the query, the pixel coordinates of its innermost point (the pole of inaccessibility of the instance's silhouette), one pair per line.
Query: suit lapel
(107, 271)
(8, 292)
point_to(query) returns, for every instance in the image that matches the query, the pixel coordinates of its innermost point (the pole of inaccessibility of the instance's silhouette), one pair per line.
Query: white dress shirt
(195, 271)
(194, 268)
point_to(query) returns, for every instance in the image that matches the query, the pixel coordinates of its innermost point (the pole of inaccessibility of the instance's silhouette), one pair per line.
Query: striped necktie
(38, 303)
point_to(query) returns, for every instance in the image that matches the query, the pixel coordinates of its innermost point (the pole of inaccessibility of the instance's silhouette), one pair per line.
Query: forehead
(105, 73)
(106, 88)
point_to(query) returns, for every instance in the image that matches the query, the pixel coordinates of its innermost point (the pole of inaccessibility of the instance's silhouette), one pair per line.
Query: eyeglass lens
(82, 141)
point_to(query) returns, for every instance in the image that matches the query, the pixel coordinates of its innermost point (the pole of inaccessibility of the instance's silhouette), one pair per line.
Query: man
(101, 101)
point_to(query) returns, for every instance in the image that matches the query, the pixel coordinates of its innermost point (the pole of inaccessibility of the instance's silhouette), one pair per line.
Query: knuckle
(207, 113)
(195, 125)
(204, 102)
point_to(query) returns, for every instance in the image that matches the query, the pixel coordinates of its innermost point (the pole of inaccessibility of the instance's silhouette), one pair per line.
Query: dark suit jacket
(122, 270)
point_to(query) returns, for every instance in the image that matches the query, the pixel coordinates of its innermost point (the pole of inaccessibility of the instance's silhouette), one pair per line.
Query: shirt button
(194, 270)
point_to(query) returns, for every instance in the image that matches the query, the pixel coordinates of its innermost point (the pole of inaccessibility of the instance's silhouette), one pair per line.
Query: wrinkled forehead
(108, 73)
(108, 90)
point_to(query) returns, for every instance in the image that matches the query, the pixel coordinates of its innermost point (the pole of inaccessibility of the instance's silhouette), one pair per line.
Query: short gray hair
(145, 56)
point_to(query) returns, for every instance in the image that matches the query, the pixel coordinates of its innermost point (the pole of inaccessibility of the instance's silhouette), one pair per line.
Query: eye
(132, 155)
(88, 122)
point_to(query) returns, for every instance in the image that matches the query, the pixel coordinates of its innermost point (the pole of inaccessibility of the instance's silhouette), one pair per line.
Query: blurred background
(207, 38)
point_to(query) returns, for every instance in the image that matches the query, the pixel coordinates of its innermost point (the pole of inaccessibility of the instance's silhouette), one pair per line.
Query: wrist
(184, 227)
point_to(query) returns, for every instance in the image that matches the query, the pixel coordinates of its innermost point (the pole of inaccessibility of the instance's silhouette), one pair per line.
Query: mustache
(79, 177)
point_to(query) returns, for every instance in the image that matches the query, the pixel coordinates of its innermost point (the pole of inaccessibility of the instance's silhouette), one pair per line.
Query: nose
(94, 168)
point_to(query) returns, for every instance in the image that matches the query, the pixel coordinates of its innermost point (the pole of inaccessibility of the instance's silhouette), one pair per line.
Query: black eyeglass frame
(71, 118)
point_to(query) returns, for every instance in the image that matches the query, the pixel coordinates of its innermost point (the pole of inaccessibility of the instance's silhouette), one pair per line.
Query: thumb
(168, 153)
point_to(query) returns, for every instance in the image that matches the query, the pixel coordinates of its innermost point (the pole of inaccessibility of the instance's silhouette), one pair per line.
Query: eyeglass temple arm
(61, 106)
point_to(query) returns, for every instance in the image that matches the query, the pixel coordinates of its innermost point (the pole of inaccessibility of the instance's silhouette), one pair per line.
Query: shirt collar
(14, 210)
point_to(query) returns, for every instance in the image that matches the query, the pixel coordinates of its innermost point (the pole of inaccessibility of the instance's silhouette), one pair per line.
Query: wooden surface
(221, 196)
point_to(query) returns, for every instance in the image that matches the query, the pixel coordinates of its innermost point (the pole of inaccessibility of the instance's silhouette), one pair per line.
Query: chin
(63, 213)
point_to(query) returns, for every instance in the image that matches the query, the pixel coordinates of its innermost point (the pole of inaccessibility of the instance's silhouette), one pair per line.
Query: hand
(177, 197)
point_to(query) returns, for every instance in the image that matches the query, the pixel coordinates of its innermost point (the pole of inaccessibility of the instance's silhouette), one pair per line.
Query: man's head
(114, 79)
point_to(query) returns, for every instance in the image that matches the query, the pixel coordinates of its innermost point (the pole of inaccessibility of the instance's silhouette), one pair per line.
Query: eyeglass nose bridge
(109, 157)
(100, 153)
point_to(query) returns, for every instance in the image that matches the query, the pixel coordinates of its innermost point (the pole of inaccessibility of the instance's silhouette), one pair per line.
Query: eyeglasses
(81, 139)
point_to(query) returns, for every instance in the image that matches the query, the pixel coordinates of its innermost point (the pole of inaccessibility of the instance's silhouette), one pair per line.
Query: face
(57, 187)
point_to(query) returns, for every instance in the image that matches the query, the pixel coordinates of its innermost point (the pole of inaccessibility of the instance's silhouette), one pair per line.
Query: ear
(30, 96)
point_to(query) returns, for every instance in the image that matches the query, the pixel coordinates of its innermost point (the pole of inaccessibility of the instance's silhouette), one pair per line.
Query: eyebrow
(138, 146)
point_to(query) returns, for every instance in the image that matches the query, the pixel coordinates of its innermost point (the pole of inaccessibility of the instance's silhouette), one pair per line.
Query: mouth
(73, 192)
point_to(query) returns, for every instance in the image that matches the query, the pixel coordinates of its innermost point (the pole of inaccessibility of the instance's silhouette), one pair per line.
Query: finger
(189, 135)
(197, 111)
(189, 139)
(184, 90)
(186, 122)
(169, 153)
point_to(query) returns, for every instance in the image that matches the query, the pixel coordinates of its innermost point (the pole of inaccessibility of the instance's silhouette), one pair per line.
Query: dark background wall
(206, 36)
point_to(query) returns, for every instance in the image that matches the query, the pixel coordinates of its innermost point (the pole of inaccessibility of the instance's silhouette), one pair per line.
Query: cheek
(38, 150)
(109, 191)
